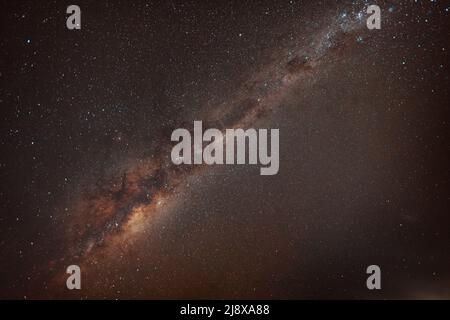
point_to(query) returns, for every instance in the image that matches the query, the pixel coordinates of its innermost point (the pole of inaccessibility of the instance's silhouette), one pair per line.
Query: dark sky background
(86, 176)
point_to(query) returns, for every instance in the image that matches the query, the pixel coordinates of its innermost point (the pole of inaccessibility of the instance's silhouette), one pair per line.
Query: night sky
(86, 175)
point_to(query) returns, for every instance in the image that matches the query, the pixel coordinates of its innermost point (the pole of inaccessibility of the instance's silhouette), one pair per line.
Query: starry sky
(86, 176)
